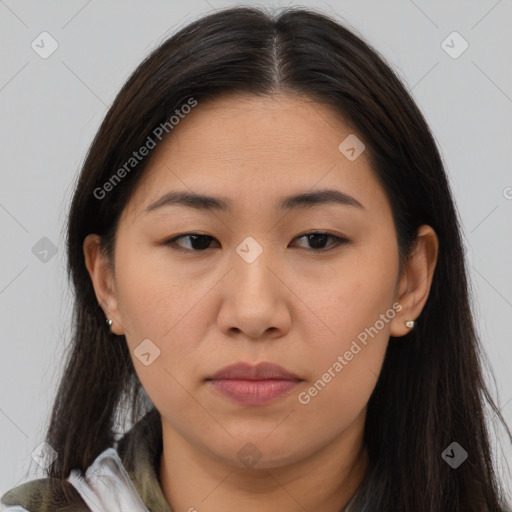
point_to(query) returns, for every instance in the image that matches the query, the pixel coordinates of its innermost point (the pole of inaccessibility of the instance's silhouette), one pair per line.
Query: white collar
(106, 486)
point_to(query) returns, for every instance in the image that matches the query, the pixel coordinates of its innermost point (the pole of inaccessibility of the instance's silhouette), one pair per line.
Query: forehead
(239, 126)
(260, 148)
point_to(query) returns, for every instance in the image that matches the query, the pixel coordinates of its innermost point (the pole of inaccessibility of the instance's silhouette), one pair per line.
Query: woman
(316, 350)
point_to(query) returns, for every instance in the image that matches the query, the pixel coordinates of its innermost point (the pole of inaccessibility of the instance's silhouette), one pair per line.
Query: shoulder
(43, 495)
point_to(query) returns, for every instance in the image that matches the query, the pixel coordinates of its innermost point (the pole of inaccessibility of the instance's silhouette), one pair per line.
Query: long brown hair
(431, 390)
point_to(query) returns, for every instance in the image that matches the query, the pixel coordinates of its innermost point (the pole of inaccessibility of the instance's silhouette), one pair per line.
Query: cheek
(356, 292)
(356, 308)
(153, 297)
(157, 303)
(345, 368)
(332, 402)
(156, 306)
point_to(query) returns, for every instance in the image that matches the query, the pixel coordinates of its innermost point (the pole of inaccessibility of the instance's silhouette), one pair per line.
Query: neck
(323, 482)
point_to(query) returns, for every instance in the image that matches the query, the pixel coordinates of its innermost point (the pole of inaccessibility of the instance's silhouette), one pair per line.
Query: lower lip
(254, 392)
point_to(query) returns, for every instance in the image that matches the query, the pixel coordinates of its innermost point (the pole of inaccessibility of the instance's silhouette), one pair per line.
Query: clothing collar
(140, 450)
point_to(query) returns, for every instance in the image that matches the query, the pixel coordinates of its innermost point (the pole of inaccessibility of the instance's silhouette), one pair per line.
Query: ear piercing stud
(109, 322)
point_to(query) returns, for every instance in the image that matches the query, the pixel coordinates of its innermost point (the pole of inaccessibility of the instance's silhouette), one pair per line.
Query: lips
(262, 371)
(251, 385)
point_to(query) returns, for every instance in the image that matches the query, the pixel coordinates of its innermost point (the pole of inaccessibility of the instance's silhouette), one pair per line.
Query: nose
(256, 302)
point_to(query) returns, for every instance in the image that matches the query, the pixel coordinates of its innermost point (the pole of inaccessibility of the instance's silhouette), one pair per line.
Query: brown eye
(198, 242)
(318, 239)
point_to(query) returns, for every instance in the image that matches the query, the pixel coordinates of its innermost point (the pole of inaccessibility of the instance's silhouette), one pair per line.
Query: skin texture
(295, 305)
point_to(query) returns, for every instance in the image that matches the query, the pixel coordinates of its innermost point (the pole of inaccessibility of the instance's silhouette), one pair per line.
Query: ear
(416, 280)
(102, 277)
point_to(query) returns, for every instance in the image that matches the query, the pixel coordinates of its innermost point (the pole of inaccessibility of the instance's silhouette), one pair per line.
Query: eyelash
(338, 240)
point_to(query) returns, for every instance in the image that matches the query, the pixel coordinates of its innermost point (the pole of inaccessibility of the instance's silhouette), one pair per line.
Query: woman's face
(254, 288)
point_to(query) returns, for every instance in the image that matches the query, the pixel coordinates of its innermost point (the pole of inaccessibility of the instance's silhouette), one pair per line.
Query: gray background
(51, 108)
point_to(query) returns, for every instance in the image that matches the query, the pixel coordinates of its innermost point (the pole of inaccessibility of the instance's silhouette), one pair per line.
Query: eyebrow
(209, 203)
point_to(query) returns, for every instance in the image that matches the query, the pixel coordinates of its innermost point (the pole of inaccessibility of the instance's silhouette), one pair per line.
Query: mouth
(251, 385)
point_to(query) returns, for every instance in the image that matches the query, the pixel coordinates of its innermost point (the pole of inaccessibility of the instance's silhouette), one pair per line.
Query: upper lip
(246, 371)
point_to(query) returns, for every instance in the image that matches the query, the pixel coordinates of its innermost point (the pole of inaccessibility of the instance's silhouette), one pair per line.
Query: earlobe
(416, 281)
(100, 272)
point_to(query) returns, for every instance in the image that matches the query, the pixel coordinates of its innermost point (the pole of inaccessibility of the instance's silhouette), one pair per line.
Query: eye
(200, 242)
(318, 239)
